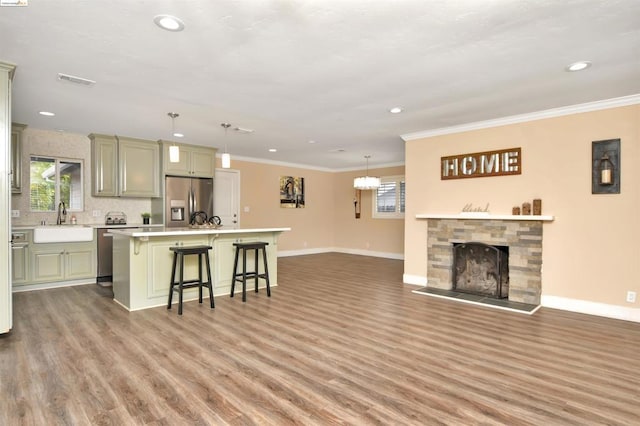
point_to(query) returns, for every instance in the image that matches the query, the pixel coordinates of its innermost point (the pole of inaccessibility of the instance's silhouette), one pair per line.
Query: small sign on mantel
(482, 164)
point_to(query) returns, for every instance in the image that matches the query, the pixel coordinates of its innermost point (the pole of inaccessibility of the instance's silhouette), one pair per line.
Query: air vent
(243, 130)
(76, 80)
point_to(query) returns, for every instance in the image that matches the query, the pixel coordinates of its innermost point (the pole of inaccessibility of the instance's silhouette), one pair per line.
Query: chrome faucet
(62, 213)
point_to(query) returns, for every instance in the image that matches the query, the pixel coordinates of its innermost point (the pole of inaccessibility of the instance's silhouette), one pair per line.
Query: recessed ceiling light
(273, 150)
(178, 135)
(395, 110)
(169, 23)
(312, 141)
(46, 113)
(578, 66)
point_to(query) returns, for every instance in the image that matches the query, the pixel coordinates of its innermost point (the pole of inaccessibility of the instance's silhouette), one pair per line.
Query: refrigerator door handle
(195, 201)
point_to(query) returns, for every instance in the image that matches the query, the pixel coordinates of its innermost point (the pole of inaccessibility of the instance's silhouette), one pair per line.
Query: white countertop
(162, 231)
(86, 225)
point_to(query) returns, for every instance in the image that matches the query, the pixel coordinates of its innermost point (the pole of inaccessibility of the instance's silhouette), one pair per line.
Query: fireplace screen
(481, 269)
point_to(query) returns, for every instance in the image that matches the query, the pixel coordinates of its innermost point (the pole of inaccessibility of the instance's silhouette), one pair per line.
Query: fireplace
(481, 269)
(522, 237)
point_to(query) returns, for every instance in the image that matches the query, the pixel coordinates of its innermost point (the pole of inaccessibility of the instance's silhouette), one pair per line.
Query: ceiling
(297, 71)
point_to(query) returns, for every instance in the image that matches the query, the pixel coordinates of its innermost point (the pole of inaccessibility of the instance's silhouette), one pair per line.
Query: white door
(226, 197)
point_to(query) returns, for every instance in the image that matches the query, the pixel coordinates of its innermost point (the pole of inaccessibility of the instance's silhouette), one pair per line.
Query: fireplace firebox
(481, 269)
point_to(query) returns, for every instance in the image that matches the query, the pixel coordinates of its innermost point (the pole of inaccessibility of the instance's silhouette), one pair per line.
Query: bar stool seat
(255, 274)
(179, 283)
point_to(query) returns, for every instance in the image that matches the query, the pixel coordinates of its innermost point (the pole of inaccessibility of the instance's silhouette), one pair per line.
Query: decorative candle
(605, 177)
(537, 206)
(515, 211)
(526, 209)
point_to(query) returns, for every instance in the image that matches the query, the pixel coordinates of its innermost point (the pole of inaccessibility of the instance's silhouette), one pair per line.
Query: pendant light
(226, 157)
(366, 182)
(174, 150)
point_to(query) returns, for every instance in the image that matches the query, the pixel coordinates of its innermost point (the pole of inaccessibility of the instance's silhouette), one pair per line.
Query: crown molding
(522, 118)
(306, 166)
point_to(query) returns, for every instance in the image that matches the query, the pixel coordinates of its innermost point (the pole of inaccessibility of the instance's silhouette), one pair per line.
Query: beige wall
(384, 237)
(590, 250)
(327, 221)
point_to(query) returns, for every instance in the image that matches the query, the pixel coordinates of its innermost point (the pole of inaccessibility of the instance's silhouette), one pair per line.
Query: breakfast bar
(142, 260)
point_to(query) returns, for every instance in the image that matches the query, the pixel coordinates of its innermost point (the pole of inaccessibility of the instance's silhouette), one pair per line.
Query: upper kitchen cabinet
(16, 157)
(124, 167)
(104, 165)
(195, 161)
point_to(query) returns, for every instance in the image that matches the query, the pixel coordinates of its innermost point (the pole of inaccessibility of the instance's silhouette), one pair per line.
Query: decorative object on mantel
(515, 211)
(605, 166)
(292, 192)
(537, 206)
(366, 182)
(526, 208)
(482, 164)
(174, 150)
(356, 203)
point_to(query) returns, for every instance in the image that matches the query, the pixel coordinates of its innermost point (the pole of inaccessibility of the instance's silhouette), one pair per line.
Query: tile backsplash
(70, 146)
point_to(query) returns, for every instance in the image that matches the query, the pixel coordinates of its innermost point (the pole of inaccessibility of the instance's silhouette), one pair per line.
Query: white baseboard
(591, 308)
(414, 279)
(43, 286)
(397, 256)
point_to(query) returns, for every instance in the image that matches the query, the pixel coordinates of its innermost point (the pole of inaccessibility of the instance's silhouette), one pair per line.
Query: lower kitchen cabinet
(52, 262)
(20, 257)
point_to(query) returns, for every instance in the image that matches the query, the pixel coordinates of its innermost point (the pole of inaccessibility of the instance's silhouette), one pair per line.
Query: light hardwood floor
(341, 341)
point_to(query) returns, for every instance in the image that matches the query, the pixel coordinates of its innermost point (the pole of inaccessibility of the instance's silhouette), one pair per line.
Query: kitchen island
(142, 261)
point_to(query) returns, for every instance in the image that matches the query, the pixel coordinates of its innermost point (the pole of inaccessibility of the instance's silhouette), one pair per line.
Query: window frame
(397, 214)
(57, 186)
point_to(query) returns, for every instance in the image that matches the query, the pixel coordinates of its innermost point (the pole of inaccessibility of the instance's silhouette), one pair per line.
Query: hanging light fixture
(366, 182)
(174, 150)
(226, 157)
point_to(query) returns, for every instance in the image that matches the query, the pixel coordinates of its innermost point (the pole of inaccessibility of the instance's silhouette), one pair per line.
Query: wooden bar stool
(179, 284)
(244, 275)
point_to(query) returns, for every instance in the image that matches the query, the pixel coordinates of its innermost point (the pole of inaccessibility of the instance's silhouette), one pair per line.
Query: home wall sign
(292, 192)
(482, 164)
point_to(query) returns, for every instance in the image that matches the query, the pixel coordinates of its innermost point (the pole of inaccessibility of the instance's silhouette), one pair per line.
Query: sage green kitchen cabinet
(16, 157)
(195, 161)
(139, 168)
(52, 262)
(20, 254)
(124, 167)
(104, 165)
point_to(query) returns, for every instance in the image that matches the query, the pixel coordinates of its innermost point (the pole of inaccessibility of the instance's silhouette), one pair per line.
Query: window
(54, 180)
(388, 200)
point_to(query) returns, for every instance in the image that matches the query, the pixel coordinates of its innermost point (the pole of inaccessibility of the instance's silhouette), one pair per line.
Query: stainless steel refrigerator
(185, 196)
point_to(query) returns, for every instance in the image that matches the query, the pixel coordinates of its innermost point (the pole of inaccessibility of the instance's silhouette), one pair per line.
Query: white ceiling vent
(76, 80)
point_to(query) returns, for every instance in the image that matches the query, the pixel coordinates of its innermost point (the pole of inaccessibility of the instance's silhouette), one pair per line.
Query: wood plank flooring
(341, 341)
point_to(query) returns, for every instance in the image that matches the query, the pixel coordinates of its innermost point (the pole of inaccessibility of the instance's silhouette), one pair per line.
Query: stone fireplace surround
(522, 234)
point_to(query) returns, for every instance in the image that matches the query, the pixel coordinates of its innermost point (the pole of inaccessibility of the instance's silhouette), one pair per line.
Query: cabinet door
(80, 263)
(104, 166)
(16, 157)
(182, 167)
(139, 163)
(203, 162)
(160, 261)
(48, 264)
(19, 264)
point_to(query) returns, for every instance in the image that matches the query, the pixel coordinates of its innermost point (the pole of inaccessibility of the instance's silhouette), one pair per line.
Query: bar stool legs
(181, 284)
(245, 275)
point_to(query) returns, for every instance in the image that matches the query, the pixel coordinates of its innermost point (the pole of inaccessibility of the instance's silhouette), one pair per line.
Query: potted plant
(145, 218)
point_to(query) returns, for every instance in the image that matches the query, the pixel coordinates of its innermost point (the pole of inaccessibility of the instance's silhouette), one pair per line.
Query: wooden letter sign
(481, 164)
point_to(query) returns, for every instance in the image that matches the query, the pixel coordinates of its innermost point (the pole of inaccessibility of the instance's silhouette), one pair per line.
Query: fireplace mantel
(485, 216)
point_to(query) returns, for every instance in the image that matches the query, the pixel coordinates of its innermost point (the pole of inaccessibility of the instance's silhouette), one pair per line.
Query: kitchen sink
(62, 234)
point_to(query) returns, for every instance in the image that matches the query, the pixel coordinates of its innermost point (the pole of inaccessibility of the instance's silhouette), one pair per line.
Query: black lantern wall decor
(605, 167)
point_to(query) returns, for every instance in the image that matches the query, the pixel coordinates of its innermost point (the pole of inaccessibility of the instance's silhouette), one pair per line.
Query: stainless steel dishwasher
(105, 246)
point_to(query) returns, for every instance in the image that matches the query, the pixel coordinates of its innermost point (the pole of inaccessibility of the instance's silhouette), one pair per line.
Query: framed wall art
(292, 192)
